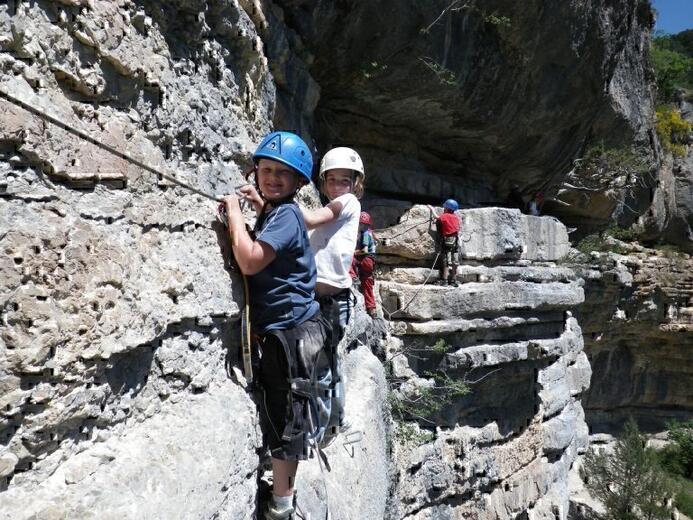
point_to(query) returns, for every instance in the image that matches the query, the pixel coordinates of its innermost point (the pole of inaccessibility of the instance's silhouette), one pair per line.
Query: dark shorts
(451, 257)
(282, 418)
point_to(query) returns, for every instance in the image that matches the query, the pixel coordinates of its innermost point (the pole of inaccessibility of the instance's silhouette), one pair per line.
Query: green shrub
(673, 68)
(428, 401)
(408, 433)
(672, 130)
(677, 460)
(629, 234)
(597, 242)
(682, 435)
(684, 496)
(604, 164)
(629, 481)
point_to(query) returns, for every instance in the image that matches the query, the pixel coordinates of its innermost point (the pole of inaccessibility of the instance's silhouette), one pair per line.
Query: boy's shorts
(451, 257)
(283, 411)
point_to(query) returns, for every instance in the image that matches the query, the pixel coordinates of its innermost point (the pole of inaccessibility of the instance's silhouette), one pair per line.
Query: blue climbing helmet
(451, 204)
(289, 149)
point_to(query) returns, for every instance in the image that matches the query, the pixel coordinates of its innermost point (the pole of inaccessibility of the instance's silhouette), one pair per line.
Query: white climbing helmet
(341, 157)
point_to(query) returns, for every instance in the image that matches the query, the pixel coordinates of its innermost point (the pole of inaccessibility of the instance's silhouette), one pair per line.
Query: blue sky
(673, 15)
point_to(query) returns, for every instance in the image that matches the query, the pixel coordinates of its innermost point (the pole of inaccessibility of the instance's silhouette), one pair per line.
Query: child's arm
(251, 256)
(318, 217)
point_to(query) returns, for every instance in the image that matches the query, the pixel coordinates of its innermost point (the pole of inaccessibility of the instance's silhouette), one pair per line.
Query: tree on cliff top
(672, 58)
(628, 481)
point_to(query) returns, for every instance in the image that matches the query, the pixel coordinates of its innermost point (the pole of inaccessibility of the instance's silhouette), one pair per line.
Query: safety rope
(416, 294)
(122, 155)
(246, 340)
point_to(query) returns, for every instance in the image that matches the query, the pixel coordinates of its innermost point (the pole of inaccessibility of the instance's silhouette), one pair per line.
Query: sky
(673, 15)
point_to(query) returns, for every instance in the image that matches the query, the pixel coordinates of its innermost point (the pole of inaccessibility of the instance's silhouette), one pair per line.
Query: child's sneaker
(442, 282)
(453, 283)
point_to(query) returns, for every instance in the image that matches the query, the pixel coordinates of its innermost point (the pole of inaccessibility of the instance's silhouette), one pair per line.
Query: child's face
(338, 182)
(276, 180)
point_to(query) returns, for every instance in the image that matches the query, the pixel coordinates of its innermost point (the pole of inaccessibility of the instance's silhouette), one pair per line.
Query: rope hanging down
(83, 135)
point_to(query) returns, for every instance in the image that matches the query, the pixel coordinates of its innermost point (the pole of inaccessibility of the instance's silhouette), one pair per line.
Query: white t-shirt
(333, 243)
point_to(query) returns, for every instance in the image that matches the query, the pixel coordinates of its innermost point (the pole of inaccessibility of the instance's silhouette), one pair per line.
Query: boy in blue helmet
(286, 319)
(448, 228)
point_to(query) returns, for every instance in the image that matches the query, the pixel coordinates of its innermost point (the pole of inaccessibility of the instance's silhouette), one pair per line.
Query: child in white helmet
(334, 229)
(335, 226)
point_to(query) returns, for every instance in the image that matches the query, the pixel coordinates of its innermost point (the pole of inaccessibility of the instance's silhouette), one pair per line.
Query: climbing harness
(122, 155)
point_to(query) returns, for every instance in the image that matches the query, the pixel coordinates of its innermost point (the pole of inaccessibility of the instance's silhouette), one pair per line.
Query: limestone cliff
(504, 449)
(638, 323)
(120, 392)
(465, 97)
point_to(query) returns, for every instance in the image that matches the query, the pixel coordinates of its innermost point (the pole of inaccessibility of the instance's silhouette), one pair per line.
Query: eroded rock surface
(638, 326)
(505, 448)
(120, 392)
(465, 98)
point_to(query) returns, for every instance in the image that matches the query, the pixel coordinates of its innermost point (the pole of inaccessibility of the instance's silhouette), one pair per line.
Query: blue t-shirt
(283, 294)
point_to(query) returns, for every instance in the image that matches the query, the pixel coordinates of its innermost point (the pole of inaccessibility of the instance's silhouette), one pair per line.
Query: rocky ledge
(508, 331)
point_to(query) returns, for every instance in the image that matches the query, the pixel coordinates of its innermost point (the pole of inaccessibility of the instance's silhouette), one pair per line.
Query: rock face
(506, 448)
(462, 98)
(638, 322)
(670, 213)
(120, 392)
(487, 234)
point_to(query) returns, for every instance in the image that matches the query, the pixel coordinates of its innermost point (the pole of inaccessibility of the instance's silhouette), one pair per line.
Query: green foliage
(425, 401)
(672, 130)
(441, 346)
(628, 481)
(630, 234)
(593, 242)
(684, 497)
(598, 241)
(445, 76)
(673, 69)
(682, 435)
(408, 433)
(498, 20)
(602, 163)
(677, 460)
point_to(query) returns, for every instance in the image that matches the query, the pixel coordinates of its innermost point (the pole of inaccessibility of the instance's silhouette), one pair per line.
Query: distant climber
(514, 199)
(293, 336)
(448, 243)
(534, 206)
(364, 262)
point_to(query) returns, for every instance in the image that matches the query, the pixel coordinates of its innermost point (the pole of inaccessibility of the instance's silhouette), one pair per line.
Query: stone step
(502, 324)
(492, 355)
(428, 302)
(486, 234)
(481, 274)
